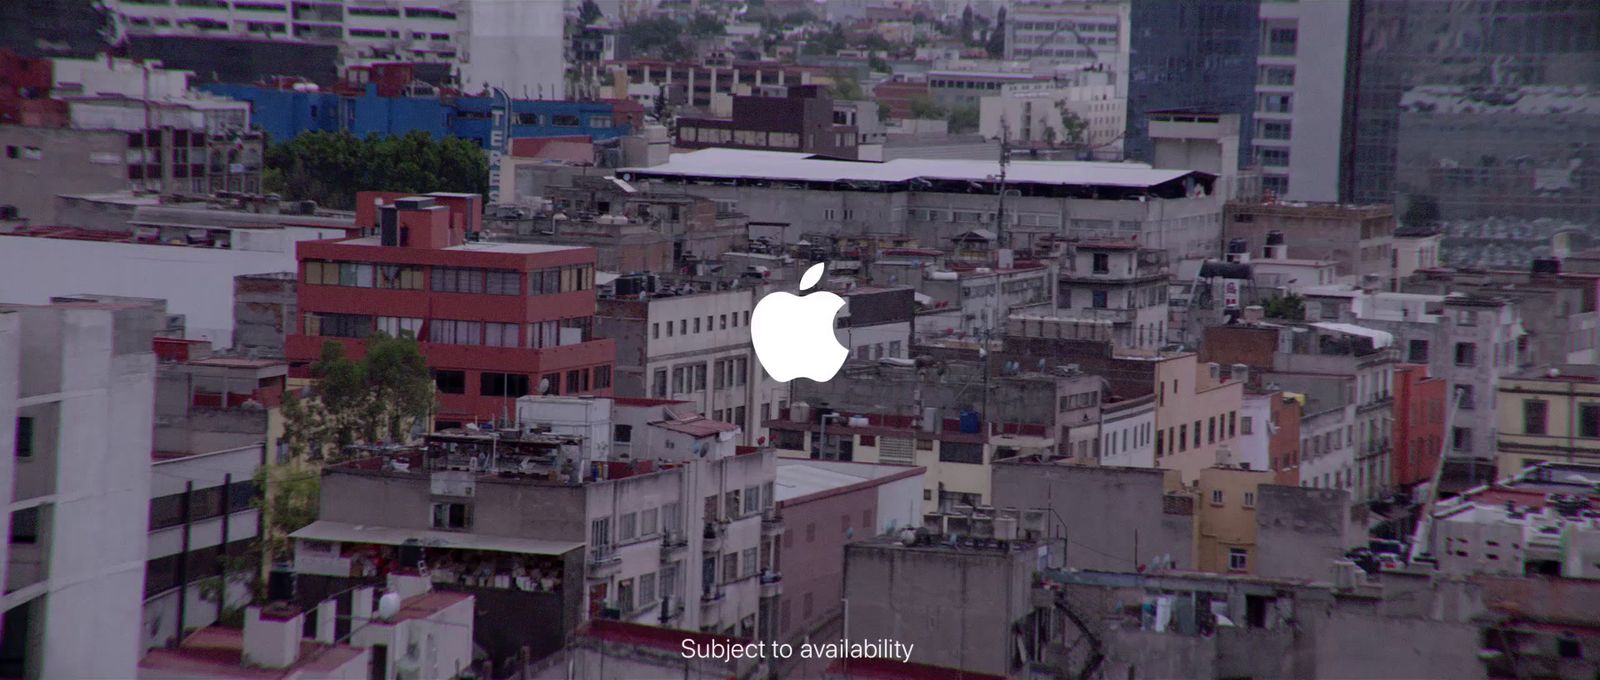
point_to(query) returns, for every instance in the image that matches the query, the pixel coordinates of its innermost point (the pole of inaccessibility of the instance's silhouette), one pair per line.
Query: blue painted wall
(285, 114)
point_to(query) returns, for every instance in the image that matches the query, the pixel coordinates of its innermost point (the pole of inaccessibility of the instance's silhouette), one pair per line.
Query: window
(1238, 559)
(1098, 299)
(960, 452)
(627, 527)
(1275, 129)
(1466, 354)
(752, 500)
(452, 332)
(647, 521)
(602, 377)
(625, 595)
(1461, 439)
(697, 324)
(457, 280)
(647, 589)
(1249, 499)
(500, 334)
(503, 282)
(1417, 352)
(1274, 158)
(1464, 396)
(1281, 42)
(1183, 438)
(450, 382)
(1277, 75)
(600, 533)
(502, 384)
(1246, 424)
(1275, 103)
(1216, 496)
(722, 322)
(25, 525)
(655, 331)
(338, 325)
(730, 567)
(25, 437)
(1102, 263)
(658, 383)
(748, 561)
(1589, 420)
(452, 516)
(397, 325)
(398, 277)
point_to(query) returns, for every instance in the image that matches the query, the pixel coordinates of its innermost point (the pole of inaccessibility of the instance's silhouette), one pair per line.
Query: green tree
(1073, 126)
(828, 42)
(926, 108)
(846, 87)
(291, 495)
(963, 118)
(658, 36)
(331, 167)
(588, 13)
(996, 44)
(1289, 307)
(378, 398)
(705, 26)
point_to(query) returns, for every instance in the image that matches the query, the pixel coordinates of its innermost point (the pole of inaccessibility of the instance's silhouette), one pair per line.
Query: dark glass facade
(1488, 107)
(1197, 55)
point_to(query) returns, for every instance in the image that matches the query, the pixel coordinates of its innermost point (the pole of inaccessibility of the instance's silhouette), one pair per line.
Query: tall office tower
(1191, 55)
(1480, 108)
(77, 400)
(1302, 117)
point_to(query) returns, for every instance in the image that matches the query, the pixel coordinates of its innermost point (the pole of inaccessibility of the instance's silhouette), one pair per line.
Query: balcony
(713, 536)
(672, 542)
(711, 596)
(771, 583)
(671, 609)
(604, 561)
(771, 523)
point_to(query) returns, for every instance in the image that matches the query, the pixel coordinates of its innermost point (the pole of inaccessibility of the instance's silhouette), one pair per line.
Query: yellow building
(1197, 413)
(1225, 514)
(1548, 415)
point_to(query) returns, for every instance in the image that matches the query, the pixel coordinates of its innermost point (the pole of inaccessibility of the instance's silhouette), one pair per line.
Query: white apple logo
(793, 334)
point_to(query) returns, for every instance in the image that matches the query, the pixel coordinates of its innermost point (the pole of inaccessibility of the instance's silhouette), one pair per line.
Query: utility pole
(986, 336)
(1000, 211)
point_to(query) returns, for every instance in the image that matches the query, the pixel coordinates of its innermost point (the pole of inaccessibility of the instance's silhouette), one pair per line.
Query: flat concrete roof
(344, 532)
(798, 477)
(477, 246)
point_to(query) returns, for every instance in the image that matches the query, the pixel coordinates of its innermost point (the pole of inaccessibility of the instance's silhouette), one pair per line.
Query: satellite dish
(388, 605)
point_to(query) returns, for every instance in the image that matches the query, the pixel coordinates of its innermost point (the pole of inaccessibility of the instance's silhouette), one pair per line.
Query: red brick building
(1283, 444)
(1419, 408)
(495, 320)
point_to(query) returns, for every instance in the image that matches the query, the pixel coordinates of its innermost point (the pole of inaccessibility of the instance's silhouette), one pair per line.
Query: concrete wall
(516, 46)
(263, 313)
(67, 161)
(816, 533)
(1300, 531)
(957, 607)
(1320, 68)
(1110, 515)
(195, 282)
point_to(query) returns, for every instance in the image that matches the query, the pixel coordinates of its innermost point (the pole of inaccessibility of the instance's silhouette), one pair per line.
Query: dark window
(564, 120)
(24, 437)
(452, 516)
(1102, 263)
(960, 452)
(25, 525)
(1466, 354)
(1589, 420)
(502, 384)
(602, 377)
(166, 511)
(205, 503)
(1418, 352)
(622, 433)
(1098, 299)
(450, 382)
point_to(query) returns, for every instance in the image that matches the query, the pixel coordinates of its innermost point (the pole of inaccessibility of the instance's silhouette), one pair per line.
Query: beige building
(1226, 519)
(1548, 415)
(1197, 413)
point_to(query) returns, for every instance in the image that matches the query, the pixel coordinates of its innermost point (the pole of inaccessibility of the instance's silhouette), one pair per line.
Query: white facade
(1328, 448)
(1032, 113)
(196, 282)
(203, 474)
(1087, 35)
(84, 380)
(1412, 253)
(1125, 435)
(697, 348)
(1300, 97)
(517, 46)
(1255, 431)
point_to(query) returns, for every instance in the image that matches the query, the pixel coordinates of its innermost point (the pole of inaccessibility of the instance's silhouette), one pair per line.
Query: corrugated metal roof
(781, 165)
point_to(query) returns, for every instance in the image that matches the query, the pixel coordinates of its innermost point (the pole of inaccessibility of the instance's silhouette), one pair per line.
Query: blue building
(1197, 55)
(285, 114)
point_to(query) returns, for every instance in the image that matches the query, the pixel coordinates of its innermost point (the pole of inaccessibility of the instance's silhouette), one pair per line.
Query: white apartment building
(1089, 35)
(1301, 83)
(694, 346)
(1032, 114)
(1121, 283)
(640, 511)
(491, 43)
(77, 395)
(1471, 341)
(201, 512)
(1125, 427)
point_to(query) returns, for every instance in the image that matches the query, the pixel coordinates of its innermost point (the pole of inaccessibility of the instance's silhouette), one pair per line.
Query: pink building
(825, 505)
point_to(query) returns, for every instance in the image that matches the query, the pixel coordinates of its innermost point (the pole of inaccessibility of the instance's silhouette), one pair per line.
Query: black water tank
(280, 585)
(1274, 238)
(410, 553)
(1238, 245)
(1547, 265)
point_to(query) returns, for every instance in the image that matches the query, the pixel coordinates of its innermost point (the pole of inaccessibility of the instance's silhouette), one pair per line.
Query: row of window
(161, 573)
(167, 511)
(693, 325)
(492, 384)
(449, 279)
(452, 331)
(1178, 439)
(1536, 418)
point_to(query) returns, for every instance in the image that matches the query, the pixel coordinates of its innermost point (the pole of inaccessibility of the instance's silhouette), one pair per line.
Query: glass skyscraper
(1196, 55)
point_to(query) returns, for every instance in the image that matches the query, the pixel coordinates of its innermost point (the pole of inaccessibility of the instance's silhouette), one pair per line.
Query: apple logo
(793, 334)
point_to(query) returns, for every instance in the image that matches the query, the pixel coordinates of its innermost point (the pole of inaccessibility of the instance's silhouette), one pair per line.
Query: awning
(344, 532)
(1380, 339)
